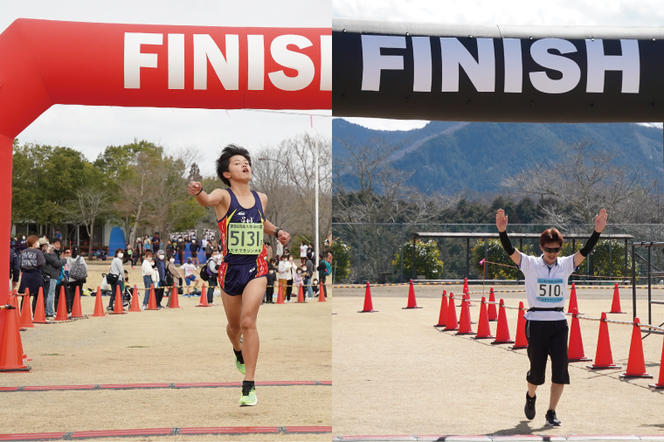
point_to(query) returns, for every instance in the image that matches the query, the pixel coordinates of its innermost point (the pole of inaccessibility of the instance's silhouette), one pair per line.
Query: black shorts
(234, 278)
(547, 338)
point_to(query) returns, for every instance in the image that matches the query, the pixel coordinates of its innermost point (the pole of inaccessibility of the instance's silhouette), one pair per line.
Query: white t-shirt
(546, 286)
(303, 251)
(188, 269)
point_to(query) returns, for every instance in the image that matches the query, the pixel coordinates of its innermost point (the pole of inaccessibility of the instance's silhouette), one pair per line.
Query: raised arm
(270, 229)
(214, 198)
(501, 224)
(600, 224)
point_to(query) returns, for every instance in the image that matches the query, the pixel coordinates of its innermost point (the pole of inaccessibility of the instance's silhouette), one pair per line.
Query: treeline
(142, 188)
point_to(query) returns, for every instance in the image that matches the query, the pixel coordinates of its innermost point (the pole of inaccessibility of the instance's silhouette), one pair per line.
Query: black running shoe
(529, 408)
(551, 419)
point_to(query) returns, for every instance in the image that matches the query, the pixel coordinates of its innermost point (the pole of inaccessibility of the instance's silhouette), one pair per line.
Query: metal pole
(633, 283)
(467, 257)
(316, 186)
(649, 285)
(625, 267)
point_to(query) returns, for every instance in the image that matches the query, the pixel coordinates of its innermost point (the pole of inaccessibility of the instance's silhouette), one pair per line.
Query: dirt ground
(171, 345)
(394, 373)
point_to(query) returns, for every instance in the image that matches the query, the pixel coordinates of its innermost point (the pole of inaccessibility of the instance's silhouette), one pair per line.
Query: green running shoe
(249, 399)
(240, 366)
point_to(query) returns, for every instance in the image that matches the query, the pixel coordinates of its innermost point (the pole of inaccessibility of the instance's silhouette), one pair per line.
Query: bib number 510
(550, 290)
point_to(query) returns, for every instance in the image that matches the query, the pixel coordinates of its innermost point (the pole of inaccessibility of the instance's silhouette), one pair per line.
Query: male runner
(546, 290)
(241, 219)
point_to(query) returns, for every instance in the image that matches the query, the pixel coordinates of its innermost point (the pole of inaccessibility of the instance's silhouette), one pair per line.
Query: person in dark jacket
(161, 268)
(31, 262)
(14, 269)
(52, 269)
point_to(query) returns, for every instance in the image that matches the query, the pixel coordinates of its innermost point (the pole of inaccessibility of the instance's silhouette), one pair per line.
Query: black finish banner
(470, 78)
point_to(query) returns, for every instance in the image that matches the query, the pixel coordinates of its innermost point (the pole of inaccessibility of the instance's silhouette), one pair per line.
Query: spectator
(284, 272)
(210, 248)
(147, 269)
(147, 243)
(271, 281)
(78, 274)
(161, 272)
(63, 279)
(115, 277)
(14, 269)
(194, 248)
(52, 268)
(170, 249)
(297, 280)
(189, 271)
(212, 267)
(138, 249)
(303, 251)
(323, 271)
(129, 256)
(309, 264)
(180, 250)
(173, 275)
(31, 262)
(156, 241)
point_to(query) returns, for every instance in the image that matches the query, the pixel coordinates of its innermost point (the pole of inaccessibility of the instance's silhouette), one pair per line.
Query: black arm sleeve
(585, 251)
(507, 244)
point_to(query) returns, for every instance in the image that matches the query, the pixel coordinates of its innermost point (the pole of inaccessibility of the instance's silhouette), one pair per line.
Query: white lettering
(513, 65)
(226, 67)
(481, 72)
(176, 61)
(300, 62)
(134, 60)
(627, 63)
(256, 56)
(571, 73)
(373, 62)
(325, 62)
(422, 64)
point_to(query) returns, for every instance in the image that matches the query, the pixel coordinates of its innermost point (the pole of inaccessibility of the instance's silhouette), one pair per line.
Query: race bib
(550, 290)
(245, 238)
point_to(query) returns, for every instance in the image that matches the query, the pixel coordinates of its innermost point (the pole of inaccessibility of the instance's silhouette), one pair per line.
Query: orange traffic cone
(25, 320)
(117, 306)
(502, 330)
(13, 301)
(442, 317)
(491, 308)
(660, 384)
(368, 305)
(173, 301)
(412, 303)
(603, 357)
(615, 303)
(134, 307)
(152, 300)
(636, 367)
(76, 306)
(61, 314)
(575, 351)
(11, 348)
(451, 323)
(573, 306)
(280, 296)
(203, 300)
(464, 319)
(483, 330)
(99, 305)
(520, 341)
(465, 285)
(322, 296)
(40, 314)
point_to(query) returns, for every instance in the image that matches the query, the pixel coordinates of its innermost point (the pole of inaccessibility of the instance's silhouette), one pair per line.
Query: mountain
(447, 157)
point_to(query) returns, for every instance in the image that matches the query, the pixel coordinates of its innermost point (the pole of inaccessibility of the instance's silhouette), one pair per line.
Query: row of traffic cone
(322, 297)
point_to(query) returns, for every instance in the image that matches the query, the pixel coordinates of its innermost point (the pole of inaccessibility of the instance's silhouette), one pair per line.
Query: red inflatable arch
(53, 62)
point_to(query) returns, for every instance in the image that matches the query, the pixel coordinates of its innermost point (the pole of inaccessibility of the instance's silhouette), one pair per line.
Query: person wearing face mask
(78, 273)
(32, 262)
(115, 277)
(161, 270)
(146, 270)
(173, 275)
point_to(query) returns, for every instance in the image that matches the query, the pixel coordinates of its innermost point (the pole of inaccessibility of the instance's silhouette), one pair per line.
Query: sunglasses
(551, 249)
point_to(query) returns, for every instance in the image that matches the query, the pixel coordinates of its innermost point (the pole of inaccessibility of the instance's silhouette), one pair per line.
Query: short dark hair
(551, 235)
(222, 162)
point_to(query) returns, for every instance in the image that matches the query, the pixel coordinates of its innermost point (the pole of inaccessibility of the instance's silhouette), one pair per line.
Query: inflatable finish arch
(53, 62)
(498, 73)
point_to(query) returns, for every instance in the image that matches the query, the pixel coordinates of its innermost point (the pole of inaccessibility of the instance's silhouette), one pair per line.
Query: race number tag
(550, 290)
(245, 238)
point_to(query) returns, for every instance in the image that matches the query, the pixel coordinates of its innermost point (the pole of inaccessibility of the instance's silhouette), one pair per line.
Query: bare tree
(90, 204)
